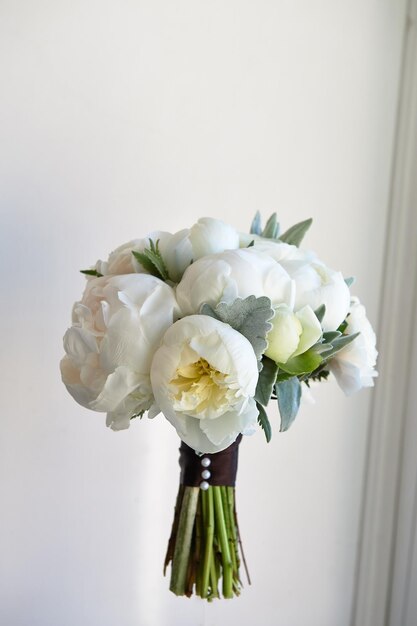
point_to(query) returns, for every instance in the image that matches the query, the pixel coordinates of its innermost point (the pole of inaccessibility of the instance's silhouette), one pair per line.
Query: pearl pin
(205, 462)
(205, 474)
(204, 485)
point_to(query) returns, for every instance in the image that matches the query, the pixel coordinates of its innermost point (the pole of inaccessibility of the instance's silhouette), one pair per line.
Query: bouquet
(207, 326)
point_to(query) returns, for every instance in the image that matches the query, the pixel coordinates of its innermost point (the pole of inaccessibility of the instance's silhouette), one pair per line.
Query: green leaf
(302, 364)
(91, 273)
(152, 261)
(295, 234)
(339, 344)
(330, 335)
(271, 229)
(283, 376)
(251, 244)
(343, 327)
(146, 263)
(349, 281)
(321, 374)
(266, 381)
(288, 395)
(320, 312)
(250, 317)
(256, 226)
(139, 415)
(155, 256)
(322, 348)
(264, 422)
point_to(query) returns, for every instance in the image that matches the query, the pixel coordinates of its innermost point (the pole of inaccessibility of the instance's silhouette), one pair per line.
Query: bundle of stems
(205, 544)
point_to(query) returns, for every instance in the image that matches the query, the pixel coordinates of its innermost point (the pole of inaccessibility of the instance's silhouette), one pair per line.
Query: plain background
(118, 118)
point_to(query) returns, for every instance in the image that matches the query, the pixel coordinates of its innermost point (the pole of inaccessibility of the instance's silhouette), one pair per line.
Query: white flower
(292, 333)
(317, 284)
(354, 365)
(207, 236)
(178, 250)
(232, 274)
(204, 377)
(122, 261)
(115, 331)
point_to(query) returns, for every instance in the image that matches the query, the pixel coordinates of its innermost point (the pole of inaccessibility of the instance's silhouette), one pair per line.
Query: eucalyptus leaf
(264, 422)
(288, 395)
(250, 317)
(295, 234)
(256, 226)
(349, 281)
(266, 381)
(302, 364)
(91, 273)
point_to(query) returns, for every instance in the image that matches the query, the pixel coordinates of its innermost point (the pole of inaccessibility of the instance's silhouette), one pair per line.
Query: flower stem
(183, 540)
(208, 515)
(224, 543)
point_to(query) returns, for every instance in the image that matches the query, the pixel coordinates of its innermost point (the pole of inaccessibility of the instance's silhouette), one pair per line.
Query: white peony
(354, 365)
(178, 250)
(204, 377)
(236, 273)
(115, 331)
(292, 333)
(316, 284)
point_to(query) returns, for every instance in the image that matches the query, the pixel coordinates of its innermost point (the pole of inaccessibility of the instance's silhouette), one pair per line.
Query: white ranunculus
(292, 333)
(116, 328)
(236, 273)
(354, 365)
(204, 377)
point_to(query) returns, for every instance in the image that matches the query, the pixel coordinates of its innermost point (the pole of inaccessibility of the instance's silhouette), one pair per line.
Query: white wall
(121, 117)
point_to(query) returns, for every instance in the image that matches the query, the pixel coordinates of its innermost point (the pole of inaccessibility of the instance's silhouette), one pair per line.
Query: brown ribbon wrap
(223, 466)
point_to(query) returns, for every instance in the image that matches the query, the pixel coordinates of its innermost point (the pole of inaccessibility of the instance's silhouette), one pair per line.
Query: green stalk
(198, 545)
(183, 540)
(230, 492)
(224, 544)
(208, 517)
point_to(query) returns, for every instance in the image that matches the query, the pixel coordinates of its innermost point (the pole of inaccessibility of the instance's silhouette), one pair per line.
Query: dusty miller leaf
(250, 317)
(288, 395)
(266, 381)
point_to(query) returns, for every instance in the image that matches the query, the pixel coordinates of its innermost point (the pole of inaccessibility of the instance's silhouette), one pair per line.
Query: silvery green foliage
(249, 316)
(288, 395)
(293, 235)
